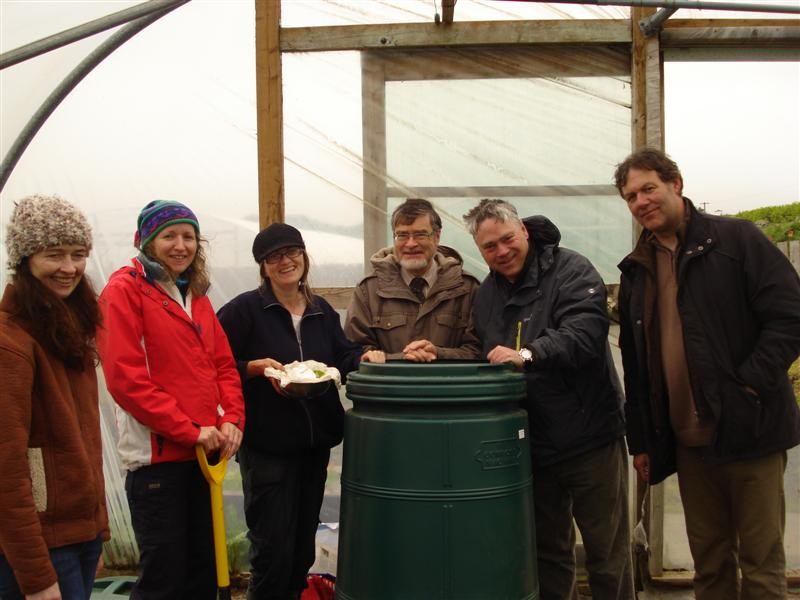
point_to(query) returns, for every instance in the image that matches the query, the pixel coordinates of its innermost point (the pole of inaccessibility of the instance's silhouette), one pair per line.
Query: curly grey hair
(490, 208)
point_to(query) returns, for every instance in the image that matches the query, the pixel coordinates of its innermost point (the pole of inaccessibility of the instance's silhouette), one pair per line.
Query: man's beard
(414, 264)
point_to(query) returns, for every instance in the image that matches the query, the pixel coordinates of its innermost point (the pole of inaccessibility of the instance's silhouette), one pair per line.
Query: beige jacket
(385, 315)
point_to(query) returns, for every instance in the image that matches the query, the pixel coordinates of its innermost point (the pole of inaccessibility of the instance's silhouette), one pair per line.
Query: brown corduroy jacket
(51, 462)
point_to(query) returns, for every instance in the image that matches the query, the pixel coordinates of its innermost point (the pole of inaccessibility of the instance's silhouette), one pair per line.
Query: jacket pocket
(740, 421)
(555, 411)
(38, 479)
(450, 323)
(389, 322)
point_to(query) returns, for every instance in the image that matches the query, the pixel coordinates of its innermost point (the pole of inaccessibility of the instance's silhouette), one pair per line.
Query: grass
(794, 375)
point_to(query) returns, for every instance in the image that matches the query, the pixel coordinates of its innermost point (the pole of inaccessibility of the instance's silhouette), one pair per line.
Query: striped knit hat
(39, 222)
(159, 214)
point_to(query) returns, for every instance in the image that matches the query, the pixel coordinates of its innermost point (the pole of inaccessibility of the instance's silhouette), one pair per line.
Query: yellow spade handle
(214, 475)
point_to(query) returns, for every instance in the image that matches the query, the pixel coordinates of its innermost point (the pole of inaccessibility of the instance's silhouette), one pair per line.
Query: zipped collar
(269, 300)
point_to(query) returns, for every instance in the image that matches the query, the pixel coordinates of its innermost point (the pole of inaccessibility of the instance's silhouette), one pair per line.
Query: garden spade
(214, 475)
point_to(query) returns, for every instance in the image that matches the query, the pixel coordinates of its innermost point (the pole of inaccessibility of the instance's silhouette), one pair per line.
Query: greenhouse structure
(326, 114)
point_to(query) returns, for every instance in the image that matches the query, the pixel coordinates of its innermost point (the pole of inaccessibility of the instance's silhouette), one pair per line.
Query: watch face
(526, 354)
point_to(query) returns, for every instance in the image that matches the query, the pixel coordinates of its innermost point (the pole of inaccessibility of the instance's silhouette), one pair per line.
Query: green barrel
(437, 497)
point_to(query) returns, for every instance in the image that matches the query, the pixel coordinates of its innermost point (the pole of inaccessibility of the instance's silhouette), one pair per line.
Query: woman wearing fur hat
(169, 368)
(52, 506)
(287, 442)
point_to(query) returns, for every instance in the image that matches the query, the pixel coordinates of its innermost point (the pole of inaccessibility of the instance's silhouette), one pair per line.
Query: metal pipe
(651, 25)
(676, 4)
(57, 40)
(70, 81)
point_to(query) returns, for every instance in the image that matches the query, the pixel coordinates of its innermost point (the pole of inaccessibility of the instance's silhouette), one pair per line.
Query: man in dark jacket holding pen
(543, 308)
(709, 325)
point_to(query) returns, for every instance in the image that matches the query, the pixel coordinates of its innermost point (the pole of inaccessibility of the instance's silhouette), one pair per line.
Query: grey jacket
(574, 398)
(385, 315)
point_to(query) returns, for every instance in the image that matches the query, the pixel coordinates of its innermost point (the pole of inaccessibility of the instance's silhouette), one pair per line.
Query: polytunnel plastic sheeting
(314, 13)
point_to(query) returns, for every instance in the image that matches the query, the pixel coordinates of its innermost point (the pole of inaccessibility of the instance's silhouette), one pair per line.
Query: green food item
(319, 373)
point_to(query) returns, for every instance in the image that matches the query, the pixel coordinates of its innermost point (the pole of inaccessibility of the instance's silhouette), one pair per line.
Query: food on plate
(307, 371)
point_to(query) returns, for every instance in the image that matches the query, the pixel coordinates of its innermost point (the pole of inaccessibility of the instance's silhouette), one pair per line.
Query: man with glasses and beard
(417, 302)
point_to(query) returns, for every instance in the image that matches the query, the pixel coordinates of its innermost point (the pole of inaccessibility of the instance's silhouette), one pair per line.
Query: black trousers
(171, 513)
(282, 500)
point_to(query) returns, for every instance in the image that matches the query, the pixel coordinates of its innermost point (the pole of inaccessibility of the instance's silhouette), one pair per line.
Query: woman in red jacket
(52, 504)
(169, 368)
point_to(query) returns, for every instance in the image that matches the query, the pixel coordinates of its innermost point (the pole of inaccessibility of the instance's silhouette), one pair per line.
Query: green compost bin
(437, 496)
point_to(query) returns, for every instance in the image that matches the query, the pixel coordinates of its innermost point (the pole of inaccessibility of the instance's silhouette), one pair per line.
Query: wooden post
(448, 10)
(647, 69)
(638, 87)
(647, 129)
(373, 124)
(269, 109)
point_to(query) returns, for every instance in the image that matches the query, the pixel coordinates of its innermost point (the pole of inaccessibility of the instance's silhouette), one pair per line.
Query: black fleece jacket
(258, 326)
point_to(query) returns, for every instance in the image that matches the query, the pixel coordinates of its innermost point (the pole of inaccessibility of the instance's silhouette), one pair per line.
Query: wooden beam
(503, 191)
(654, 82)
(647, 90)
(729, 23)
(496, 63)
(638, 88)
(475, 33)
(448, 10)
(269, 110)
(337, 297)
(655, 533)
(739, 37)
(373, 132)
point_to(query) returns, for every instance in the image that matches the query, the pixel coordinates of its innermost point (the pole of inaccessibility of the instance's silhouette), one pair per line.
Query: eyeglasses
(277, 256)
(419, 236)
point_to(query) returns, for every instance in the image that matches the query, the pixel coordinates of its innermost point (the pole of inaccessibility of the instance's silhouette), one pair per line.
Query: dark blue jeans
(75, 567)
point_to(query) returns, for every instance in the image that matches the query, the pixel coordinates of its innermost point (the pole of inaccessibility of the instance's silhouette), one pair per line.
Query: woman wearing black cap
(287, 442)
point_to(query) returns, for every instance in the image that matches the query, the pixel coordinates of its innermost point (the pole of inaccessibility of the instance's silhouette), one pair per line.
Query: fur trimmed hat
(159, 214)
(39, 222)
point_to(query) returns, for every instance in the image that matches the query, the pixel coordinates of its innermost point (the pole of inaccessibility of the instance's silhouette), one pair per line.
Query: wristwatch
(527, 355)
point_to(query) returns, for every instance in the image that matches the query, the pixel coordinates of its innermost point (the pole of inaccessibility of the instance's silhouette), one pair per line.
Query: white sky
(734, 129)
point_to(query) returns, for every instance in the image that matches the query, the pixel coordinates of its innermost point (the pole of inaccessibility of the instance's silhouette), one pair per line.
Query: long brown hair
(199, 280)
(66, 328)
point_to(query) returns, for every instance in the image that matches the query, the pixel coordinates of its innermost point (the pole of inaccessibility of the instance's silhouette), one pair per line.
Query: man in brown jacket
(417, 303)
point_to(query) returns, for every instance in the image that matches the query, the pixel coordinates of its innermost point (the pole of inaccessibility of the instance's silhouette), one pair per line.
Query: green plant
(238, 547)
(794, 376)
(779, 223)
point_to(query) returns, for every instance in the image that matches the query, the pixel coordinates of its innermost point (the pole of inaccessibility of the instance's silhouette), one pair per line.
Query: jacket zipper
(302, 402)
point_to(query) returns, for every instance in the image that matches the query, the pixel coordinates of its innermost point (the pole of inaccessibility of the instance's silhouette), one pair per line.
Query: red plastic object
(320, 587)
